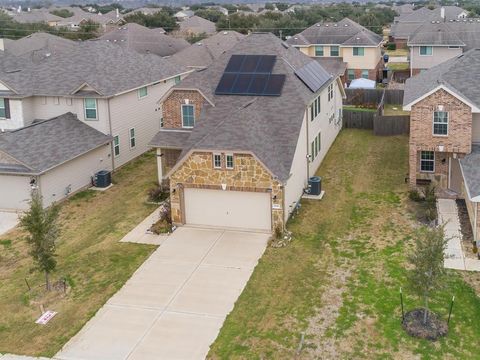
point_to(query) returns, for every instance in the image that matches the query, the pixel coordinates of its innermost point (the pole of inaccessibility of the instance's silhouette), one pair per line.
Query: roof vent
(318, 25)
(326, 25)
(346, 25)
(199, 43)
(225, 33)
(335, 25)
(358, 38)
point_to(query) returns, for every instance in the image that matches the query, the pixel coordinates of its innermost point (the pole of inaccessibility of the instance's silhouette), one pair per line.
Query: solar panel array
(313, 75)
(250, 75)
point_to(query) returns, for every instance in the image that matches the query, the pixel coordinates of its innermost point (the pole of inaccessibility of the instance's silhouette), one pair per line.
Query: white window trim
(134, 137)
(213, 160)
(144, 96)
(85, 109)
(420, 51)
(433, 124)
(427, 171)
(116, 155)
(188, 127)
(226, 162)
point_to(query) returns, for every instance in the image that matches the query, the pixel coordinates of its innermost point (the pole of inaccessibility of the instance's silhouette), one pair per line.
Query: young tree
(427, 259)
(43, 231)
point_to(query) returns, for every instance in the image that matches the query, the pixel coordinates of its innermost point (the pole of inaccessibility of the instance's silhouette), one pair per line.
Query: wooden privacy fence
(391, 125)
(358, 119)
(373, 96)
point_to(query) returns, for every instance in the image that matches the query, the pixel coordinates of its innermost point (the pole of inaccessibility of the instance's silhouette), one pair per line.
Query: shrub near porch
(338, 281)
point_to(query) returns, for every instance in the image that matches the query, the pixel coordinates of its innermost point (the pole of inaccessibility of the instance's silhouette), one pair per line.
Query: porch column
(412, 165)
(160, 165)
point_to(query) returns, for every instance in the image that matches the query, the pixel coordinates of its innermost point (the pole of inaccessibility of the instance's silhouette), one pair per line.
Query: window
(365, 74)
(3, 108)
(318, 142)
(358, 51)
(440, 123)
(133, 142)
(351, 74)
(330, 92)
(188, 116)
(315, 108)
(426, 50)
(116, 146)
(334, 51)
(427, 161)
(90, 109)
(312, 152)
(217, 161)
(177, 79)
(318, 50)
(229, 161)
(142, 92)
(315, 147)
(161, 122)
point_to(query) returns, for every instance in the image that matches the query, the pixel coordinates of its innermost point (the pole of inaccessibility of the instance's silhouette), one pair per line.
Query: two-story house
(241, 138)
(111, 89)
(344, 41)
(437, 41)
(444, 106)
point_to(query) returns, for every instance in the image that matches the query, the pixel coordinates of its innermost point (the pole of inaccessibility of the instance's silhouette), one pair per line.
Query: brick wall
(248, 175)
(459, 139)
(172, 106)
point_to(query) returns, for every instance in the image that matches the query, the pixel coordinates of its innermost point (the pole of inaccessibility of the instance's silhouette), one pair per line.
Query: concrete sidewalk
(454, 253)
(174, 305)
(140, 234)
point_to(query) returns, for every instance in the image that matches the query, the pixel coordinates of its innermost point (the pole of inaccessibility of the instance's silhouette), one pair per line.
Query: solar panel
(274, 85)
(250, 75)
(313, 75)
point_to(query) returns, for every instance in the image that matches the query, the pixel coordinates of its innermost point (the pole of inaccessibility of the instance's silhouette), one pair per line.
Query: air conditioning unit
(102, 179)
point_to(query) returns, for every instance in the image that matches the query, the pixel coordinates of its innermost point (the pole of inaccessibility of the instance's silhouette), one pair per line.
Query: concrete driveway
(174, 305)
(8, 220)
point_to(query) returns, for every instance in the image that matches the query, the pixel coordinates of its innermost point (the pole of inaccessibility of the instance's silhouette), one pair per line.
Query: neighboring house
(183, 14)
(144, 40)
(196, 25)
(144, 11)
(112, 89)
(36, 16)
(405, 25)
(57, 157)
(241, 138)
(355, 45)
(403, 9)
(436, 42)
(203, 53)
(37, 42)
(106, 22)
(292, 9)
(444, 105)
(218, 8)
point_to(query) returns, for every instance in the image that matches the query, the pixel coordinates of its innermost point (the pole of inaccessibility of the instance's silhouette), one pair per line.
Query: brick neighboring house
(244, 160)
(444, 146)
(347, 42)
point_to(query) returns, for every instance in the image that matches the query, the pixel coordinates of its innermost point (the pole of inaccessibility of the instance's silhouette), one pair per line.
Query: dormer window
(440, 123)
(188, 116)
(319, 51)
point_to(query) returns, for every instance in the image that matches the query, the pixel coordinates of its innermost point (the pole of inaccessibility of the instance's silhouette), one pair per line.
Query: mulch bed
(466, 229)
(432, 330)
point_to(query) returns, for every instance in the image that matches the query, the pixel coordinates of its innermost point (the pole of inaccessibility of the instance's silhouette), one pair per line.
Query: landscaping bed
(466, 229)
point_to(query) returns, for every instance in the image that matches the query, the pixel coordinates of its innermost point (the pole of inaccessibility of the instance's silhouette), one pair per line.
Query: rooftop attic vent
(346, 25)
(318, 25)
(326, 25)
(335, 25)
(199, 43)
(225, 33)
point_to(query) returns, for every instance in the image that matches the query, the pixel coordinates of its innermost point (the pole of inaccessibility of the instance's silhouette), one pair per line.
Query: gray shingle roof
(34, 16)
(170, 139)
(197, 25)
(204, 52)
(334, 65)
(144, 40)
(435, 34)
(49, 143)
(267, 126)
(459, 74)
(345, 32)
(39, 41)
(470, 165)
(108, 68)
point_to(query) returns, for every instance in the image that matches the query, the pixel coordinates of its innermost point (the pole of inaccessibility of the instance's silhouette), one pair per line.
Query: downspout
(411, 60)
(475, 227)
(307, 144)
(112, 154)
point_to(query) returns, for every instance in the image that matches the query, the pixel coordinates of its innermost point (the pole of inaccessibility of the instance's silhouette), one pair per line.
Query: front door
(455, 178)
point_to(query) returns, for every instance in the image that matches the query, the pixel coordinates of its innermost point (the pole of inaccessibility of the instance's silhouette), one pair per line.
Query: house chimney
(442, 13)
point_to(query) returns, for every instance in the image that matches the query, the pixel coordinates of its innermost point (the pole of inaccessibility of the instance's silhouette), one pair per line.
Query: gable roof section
(198, 25)
(267, 127)
(459, 76)
(49, 143)
(108, 68)
(144, 40)
(346, 32)
(433, 33)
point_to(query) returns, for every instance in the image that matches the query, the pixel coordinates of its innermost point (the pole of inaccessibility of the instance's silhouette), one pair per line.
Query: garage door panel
(14, 192)
(231, 209)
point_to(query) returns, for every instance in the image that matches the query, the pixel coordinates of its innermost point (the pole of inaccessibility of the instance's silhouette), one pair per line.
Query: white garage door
(231, 209)
(14, 192)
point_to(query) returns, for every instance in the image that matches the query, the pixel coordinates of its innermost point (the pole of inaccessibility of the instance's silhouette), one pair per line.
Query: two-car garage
(228, 209)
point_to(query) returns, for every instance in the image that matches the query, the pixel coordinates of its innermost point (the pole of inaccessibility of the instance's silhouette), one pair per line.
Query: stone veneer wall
(459, 139)
(248, 175)
(172, 107)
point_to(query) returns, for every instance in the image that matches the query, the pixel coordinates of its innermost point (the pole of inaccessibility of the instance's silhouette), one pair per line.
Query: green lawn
(95, 264)
(397, 52)
(356, 108)
(338, 280)
(398, 66)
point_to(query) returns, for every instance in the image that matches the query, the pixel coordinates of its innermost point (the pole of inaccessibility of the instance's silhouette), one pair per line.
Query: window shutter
(7, 108)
